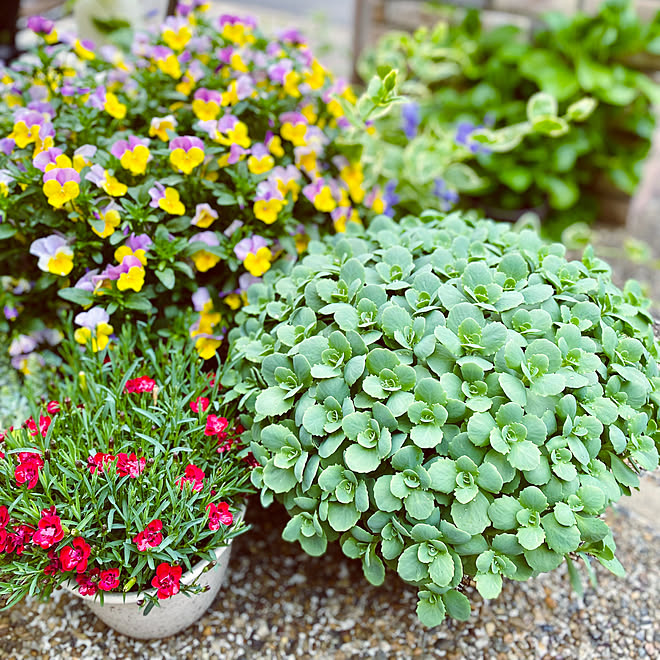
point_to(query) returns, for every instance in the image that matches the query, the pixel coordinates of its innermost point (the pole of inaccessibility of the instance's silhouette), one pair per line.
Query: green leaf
(513, 388)
(541, 105)
(457, 605)
(419, 505)
(373, 568)
(473, 516)
(503, 512)
(271, 402)
(489, 478)
(489, 585)
(443, 475)
(360, 459)
(441, 569)
(559, 538)
(430, 609)
(77, 296)
(279, 481)
(524, 455)
(530, 537)
(314, 420)
(582, 109)
(354, 369)
(409, 567)
(342, 517)
(166, 277)
(463, 178)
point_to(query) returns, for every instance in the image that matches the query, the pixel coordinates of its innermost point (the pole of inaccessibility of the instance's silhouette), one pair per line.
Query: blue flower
(447, 196)
(390, 197)
(410, 119)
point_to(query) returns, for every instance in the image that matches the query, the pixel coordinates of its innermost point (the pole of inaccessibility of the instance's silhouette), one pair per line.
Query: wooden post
(8, 18)
(171, 7)
(361, 27)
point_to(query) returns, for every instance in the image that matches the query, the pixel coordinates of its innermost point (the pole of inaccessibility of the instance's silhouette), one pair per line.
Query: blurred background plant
(471, 79)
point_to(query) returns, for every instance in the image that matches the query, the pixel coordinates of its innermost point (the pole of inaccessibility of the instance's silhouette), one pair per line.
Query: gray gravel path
(280, 603)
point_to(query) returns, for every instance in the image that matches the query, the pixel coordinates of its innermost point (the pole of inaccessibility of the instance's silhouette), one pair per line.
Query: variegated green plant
(449, 397)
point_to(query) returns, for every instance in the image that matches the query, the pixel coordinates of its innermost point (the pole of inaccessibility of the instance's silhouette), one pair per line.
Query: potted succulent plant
(449, 397)
(127, 489)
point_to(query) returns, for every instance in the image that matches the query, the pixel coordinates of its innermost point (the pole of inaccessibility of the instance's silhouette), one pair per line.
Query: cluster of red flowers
(27, 470)
(16, 540)
(128, 465)
(141, 384)
(150, 537)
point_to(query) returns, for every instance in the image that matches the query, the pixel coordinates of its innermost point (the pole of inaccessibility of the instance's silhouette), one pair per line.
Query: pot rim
(132, 597)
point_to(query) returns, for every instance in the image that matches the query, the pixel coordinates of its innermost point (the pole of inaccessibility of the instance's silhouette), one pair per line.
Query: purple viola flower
(42, 107)
(244, 87)
(234, 226)
(448, 197)
(62, 175)
(92, 318)
(7, 146)
(267, 190)
(40, 25)
(88, 281)
(139, 242)
(22, 345)
(410, 119)
(208, 95)
(120, 147)
(250, 245)
(114, 272)
(96, 175)
(186, 142)
(47, 157)
(207, 237)
(97, 98)
(291, 35)
(235, 154)
(390, 197)
(224, 54)
(201, 298)
(277, 72)
(157, 193)
(10, 312)
(248, 21)
(245, 281)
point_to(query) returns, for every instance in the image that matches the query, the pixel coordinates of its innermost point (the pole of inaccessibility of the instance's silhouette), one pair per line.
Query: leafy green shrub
(465, 76)
(448, 397)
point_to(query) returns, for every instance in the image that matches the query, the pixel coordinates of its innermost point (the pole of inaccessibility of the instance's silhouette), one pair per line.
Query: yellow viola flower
(294, 133)
(114, 107)
(257, 264)
(125, 251)
(315, 77)
(233, 301)
(83, 49)
(61, 186)
(170, 66)
(204, 260)
(112, 220)
(160, 125)
(207, 346)
(113, 187)
(133, 279)
(267, 210)
(171, 202)
(187, 153)
(176, 33)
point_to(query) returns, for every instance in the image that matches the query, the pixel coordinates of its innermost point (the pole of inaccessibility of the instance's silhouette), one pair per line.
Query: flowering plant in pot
(167, 177)
(449, 397)
(121, 488)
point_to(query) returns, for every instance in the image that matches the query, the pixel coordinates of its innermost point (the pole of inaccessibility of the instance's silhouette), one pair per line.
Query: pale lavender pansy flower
(47, 248)
(202, 213)
(92, 318)
(201, 298)
(249, 245)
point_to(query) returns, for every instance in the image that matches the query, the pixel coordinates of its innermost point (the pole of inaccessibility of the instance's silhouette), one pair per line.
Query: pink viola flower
(28, 468)
(215, 425)
(88, 281)
(133, 154)
(150, 536)
(54, 253)
(49, 530)
(128, 274)
(249, 245)
(200, 404)
(130, 466)
(204, 216)
(40, 25)
(206, 103)
(108, 579)
(193, 476)
(53, 407)
(187, 152)
(321, 194)
(74, 557)
(219, 514)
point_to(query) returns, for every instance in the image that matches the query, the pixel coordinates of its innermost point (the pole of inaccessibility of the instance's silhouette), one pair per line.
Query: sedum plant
(449, 397)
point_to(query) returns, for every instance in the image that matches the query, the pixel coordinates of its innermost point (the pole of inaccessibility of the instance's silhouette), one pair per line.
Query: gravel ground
(280, 603)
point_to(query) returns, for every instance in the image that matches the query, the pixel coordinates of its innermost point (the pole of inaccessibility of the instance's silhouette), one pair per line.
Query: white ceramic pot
(121, 611)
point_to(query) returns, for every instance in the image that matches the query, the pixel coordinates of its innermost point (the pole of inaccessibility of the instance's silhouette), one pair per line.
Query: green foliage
(467, 77)
(79, 440)
(448, 397)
